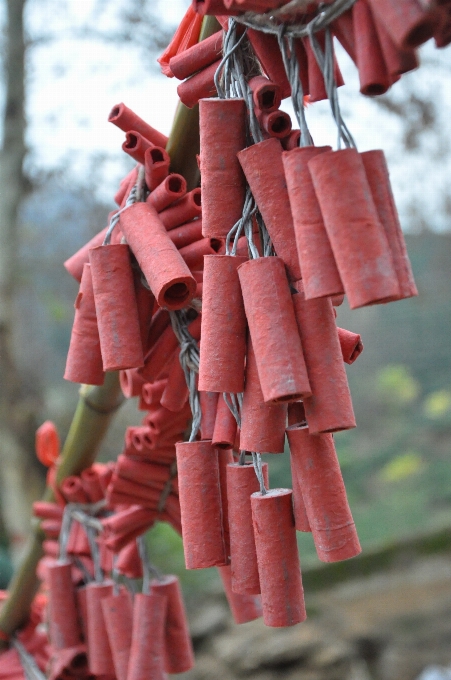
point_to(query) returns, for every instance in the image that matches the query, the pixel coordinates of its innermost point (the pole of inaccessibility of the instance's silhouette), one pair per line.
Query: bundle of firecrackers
(258, 304)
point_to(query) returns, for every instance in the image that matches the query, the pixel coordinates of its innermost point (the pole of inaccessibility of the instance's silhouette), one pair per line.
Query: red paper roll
(185, 234)
(407, 22)
(208, 406)
(241, 484)
(125, 119)
(265, 93)
(373, 72)
(358, 240)
(156, 162)
(74, 265)
(51, 528)
(118, 615)
(178, 648)
(268, 54)
(315, 462)
(116, 309)
(46, 510)
(84, 359)
(200, 505)
(263, 167)
(223, 347)
(176, 392)
(398, 61)
(90, 479)
(197, 57)
(131, 383)
(351, 345)
(166, 273)
(100, 659)
(292, 141)
(262, 425)
(194, 253)
(301, 520)
(136, 146)
(320, 275)
(73, 491)
(379, 181)
(273, 330)
(330, 408)
(143, 472)
(225, 457)
(222, 136)
(199, 86)
(152, 392)
(172, 189)
(128, 561)
(317, 87)
(244, 607)
(278, 558)
(147, 649)
(343, 29)
(276, 123)
(225, 429)
(64, 627)
(187, 208)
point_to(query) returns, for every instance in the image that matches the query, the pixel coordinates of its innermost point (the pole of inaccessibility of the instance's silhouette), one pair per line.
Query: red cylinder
(90, 479)
(266, 48)
(330, 408)
(187, 208)
(178, 648)
(223, 347)
(200, 505)
(197, 57)
(263, 167)
(398, 61)
(84, 359)
(141, 493)
(265, 93)
(176, 392)
(185, 234)
(126, 119)
(73, 491)
(320, 275)
(156, 162)
(276, 123)
(242, 482)
(407, 22)
(128, 561)
(292, 141)
(166, 273)
(225, 457)
(358, 240)
(301, 520)
(278, 558)
(194, 253)
(136, 145)
(273, 330)
(225, 429)
(152, 392)
(46, 510)
(143, 472)
(351, 345)
(116, 309)
(118, 616)
(315, 462)
(63, 616)
(373, 72)
(208, 406)
(172, 189)
(343, 29)
(222, 136)
(147, 649)
(317, 87)
(379, 181)
(131, 383)
(199, 86)
(296, 413)
(262, 425)
(244, 607)
(74, 265)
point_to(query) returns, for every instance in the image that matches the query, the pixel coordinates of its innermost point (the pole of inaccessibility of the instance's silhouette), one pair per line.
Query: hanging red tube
(186, 209)
(317, 87)
(244, 607)
(265, 94)
(351, 345)
(276, 123)
(126, 119)
(156, 163)
(301, 520)
(147, 649)
(199, 86)
(100, 659)
(266, 48)
(407, 22)
(118, 615)
(128, 561)
(64, 627)
(225, 429)
(208, 406)
(172, 189)
(197, 57)
(225, 457)
(374, 76)
(398, 61)
(74, 265)
(176, 392)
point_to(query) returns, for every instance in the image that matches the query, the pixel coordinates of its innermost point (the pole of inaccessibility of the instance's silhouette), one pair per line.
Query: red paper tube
(156, 163)
(73, 491)
(160, 454)
(186, 234)
(163, 421)
(63, 664)
(125, 119)
(90, 479)
(442, 34)
(265, 94)
(222, 136)
(51, 528)
(358, 240)
(225, 429)
(78, 543)
(296, 413)
(84, 359)
(105, 473)
(117, 543)
(139, 439)
(273, 330)
(379, 181)
(292, 141)
(194, 253)
(74, 265)
(262, 425)
(197, 57)
(317, 87)
(144, 472)
(137, 490)
(244, 607)
(80, 596)
(152, 392)
(147, 648)
(276, 123)
(223, 346)
(343, 29)
(208, 406)
(373, 72)
(330, 408)
(176, 392)
(124, 185)
(199, 86)
(166, 273)
(320, 275)
(398, 61)
(278, 558)
(351, 345)
(315, 463)
(128, 561)
(160, 321)
(178, 648)
(64, 628)
(268, 53)
(118, 615)
(122, 522)
(301, 520)
(145, 304)
(45, 510)
(407, 22)
(200, 505)
(241, 484)
(187, 208)
(225, 457)
(172, 189)
(100, 659)
(263, 167)
(131, 383)
(116, 309)
(136, 146)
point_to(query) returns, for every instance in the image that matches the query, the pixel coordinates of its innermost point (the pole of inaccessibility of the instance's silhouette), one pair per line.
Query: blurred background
(65, 64)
